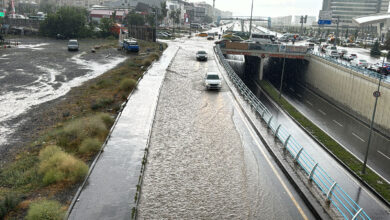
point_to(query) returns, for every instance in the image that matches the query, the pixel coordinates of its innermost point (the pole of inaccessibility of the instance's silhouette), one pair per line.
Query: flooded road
(205, 161)
(40, 70)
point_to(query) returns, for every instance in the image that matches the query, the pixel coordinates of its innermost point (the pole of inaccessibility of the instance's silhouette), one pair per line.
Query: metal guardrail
(346, 64)
(270, 48)
(335, 195)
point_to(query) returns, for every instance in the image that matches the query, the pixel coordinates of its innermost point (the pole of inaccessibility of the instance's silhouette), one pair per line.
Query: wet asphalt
(204, 160)
(347, 130)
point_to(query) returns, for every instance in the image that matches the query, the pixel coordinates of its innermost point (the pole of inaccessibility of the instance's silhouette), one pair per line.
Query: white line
(322, 112)
(254, 136)
(357, 136)
(299, 95)
(383, 155)
(292, 89)
(309, 103)
(338, 123)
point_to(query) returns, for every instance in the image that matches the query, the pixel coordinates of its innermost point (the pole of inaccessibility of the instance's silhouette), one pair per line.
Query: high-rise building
(348, 9)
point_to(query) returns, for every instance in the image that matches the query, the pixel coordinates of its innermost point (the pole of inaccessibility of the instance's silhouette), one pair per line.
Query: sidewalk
(111, 187)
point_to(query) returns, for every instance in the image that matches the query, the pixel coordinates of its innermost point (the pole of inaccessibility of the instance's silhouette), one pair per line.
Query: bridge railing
(346, 64)
(270, 48)
(333, 193)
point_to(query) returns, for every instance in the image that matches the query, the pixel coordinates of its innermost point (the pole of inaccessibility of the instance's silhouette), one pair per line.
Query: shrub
(103, 102)
(8, 204)
(21, 172)
(60, 166)
(147, 62)
(45, 209)
(107, 119)
(154, 56)
(90, 145)
(127, 84)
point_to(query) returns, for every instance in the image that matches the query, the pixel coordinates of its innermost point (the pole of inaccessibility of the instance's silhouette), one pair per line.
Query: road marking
(383, 155)
(251, 132)
(292, 89)
(299, 95)
(357, 136)
(322, 112)
(338, 123)
(309, 103)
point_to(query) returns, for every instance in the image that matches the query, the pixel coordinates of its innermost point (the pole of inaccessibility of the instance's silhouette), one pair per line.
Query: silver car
(212, 81)
(73, 45)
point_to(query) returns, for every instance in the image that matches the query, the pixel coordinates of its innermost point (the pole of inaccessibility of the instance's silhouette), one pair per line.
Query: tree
(151, 20)
(106, 25)
(67, 21)
(164, 11)
(135, 19)
(375, 51)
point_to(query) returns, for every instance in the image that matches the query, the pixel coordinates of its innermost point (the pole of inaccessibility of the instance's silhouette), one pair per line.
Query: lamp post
(376, 94)
(250, 21)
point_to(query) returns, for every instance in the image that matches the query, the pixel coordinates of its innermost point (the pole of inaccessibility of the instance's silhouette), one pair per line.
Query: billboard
(325, 17)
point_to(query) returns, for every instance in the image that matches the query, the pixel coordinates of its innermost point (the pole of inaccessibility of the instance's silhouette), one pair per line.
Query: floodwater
(40, 70)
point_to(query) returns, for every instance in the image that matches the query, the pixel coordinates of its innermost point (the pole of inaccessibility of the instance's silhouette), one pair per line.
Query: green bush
(57, 166)
(101, 103)
(45, 210)
(154, 56)
(8, 204)
(107, 119)
(21, 173)
(147, 62)
(90, 145)
(127, 84)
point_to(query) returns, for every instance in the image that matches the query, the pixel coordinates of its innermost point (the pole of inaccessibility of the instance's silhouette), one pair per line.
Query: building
(297, 20)
(282, 21)
(348, 9)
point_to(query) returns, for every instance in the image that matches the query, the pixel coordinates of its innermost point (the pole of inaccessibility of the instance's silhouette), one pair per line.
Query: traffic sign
(325, 17)
(377, 94)
(1, 14)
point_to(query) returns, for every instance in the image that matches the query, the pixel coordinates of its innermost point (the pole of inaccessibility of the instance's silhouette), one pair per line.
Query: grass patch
(128, 84)
(58, 166)
(90, 145)
(102, 103)
(375, 181)
(8, 204)
(45, 209)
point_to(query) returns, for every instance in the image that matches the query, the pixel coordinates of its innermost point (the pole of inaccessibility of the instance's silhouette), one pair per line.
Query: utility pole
(337, 30)
(213, 10)
(376, 94)
(250, 22)
(302, 21)
(281, 78)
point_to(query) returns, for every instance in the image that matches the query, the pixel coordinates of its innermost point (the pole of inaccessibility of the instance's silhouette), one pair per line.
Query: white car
(333, 54)
(73, 45)
(212, 80)
(359, 63)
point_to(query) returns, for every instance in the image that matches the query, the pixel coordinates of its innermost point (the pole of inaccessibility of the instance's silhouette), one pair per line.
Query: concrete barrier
(350, 90)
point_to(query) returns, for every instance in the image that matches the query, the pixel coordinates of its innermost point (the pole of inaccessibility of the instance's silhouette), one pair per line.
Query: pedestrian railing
(346, 64)
(334, 194)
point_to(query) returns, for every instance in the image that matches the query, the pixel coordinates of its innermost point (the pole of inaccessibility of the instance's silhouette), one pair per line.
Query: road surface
(205, 161)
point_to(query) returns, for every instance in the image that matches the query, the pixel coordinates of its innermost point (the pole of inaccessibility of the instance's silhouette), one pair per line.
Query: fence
(346, 64)
(335, 195)
(270, 48)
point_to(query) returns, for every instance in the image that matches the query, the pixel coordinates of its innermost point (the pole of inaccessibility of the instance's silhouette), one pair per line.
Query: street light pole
(250, 22)
(337, 31)
(372, 120)
(281, 80)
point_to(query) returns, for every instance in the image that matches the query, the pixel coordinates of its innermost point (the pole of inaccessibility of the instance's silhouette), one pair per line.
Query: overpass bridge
(258, 52)
(242, 19)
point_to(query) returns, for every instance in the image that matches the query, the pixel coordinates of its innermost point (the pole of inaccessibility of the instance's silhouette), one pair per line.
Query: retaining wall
(350, 90)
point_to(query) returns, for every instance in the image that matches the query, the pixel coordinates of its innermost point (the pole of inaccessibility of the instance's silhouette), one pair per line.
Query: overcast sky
(268, 8)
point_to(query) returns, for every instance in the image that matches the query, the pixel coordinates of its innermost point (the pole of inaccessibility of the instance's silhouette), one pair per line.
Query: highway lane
(345, 129)
(373, 206)
(205, 161)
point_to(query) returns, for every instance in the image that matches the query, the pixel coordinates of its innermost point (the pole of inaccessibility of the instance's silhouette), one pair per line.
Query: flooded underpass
(40, 70)
(205, 161)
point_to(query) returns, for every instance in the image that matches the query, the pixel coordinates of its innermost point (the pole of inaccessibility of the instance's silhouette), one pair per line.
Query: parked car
(383, 68)
(73, 45)
(201, 55)
(130, 45)
(212, 81)
(359, 63)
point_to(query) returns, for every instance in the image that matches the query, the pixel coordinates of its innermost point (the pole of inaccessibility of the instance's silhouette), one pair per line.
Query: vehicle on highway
(310, 46)
(73, 45)
(212, 81)
(383, 68)
(350, 57)
(323, 48)
(232, 38)
(262, 38)
(210, 37)
(203, 34)
(333, 54)
(342, 52)
(359, 63)
(201, 55)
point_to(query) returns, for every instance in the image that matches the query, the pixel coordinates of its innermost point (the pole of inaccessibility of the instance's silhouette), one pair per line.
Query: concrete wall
(349, 90)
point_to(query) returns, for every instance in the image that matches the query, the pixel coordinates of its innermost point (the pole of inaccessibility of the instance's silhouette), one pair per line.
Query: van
(262, 38)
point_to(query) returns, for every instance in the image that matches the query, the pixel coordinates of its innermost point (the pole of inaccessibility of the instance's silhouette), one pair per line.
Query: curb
(372, 190)
(305, 196)
(143, 167)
